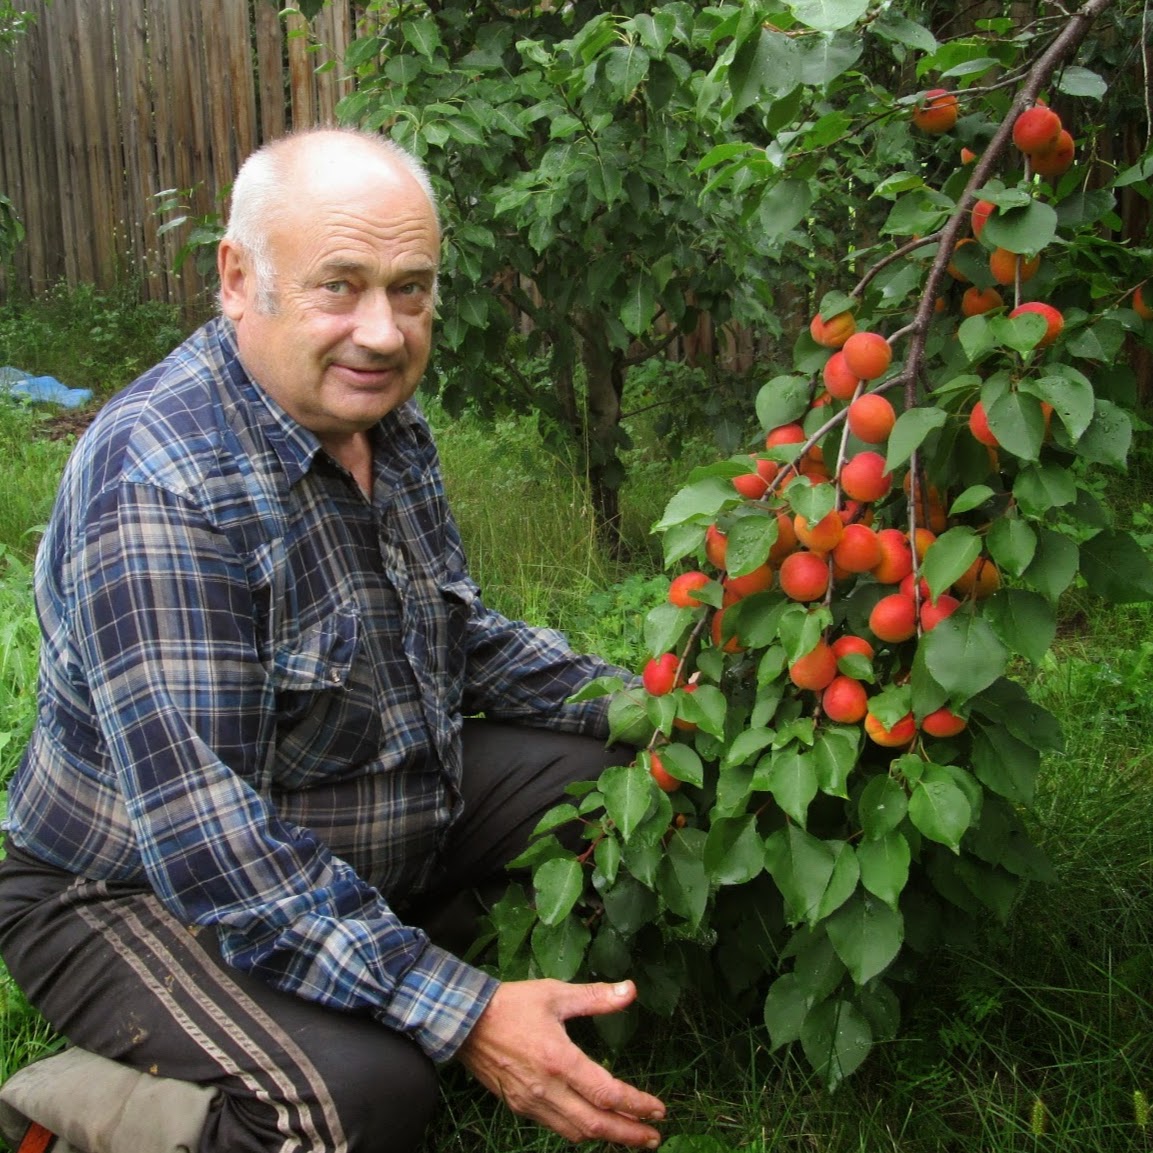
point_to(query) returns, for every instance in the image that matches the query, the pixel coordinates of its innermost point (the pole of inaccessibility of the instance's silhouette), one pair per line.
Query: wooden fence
(106, 103)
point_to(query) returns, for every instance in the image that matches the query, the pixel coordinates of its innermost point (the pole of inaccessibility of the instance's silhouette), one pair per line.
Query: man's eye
(337, 287)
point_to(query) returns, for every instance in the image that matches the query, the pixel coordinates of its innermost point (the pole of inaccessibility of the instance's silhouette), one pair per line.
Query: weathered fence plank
(106, 103)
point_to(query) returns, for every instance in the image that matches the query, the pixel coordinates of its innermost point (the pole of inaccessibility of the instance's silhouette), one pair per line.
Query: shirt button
(334, 677)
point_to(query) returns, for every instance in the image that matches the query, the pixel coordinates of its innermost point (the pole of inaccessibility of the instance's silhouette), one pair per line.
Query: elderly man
(250, 779)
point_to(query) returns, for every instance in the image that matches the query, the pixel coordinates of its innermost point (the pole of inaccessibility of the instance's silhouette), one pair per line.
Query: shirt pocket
(315, 660)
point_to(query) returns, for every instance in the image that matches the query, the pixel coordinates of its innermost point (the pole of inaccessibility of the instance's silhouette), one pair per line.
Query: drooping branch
(1064, 44)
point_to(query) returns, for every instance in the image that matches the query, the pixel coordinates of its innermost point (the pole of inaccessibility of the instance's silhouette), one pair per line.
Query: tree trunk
(604, 382)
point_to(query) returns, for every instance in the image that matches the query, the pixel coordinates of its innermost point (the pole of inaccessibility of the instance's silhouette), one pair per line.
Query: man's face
(348, 334)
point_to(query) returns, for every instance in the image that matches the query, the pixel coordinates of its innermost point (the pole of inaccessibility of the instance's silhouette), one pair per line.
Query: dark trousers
(113, 971)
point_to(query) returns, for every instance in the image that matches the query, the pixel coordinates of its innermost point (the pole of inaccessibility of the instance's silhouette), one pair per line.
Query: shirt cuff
(438, 1002)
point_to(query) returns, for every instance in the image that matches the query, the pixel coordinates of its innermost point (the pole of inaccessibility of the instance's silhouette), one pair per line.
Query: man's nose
(376, 326)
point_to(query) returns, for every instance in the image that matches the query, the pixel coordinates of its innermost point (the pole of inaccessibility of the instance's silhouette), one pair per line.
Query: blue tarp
(46, 389)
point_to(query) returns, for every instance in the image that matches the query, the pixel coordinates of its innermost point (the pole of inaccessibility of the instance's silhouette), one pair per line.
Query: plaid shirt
(228, 621)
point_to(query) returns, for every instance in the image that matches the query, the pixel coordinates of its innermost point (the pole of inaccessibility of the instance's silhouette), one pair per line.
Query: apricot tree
(836, 763)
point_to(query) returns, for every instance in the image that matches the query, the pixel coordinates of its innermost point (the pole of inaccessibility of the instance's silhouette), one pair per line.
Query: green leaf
(1025, 621)
(963, 655)
(909, 433)
(867, 936)
(836, 1039)
(1005, 764)
(801, 865)
(1012, 543)
(834, 756)
(422, 36)
(640, 306)
(683, 762)
(746, 745)
(901, 30)
(784, 206)
(1016, 420)
(766, 63)
(1071, 395)
(823, 59)
(1054, 564)
(842, 881)
(699, 501)
(607, 857)
(682, 880)
(939, 809)
(513, 918)
(1023, 230)
(734, 851)
(706, 708)
(1117, 568)
(783, 400)
(884, 865)
(629, 906)
(663, 627)
(1077, 81)
(558, 884)
(973, 497)
(882, 806)
(786, 1006)
(559, 949)
(749, 540)
(1107, 439)
(793, 783)
(828, 15)
(1040, 487)
(949, 556)
(628, 794)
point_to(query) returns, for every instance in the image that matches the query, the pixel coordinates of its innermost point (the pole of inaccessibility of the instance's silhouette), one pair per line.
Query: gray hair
(262, 188)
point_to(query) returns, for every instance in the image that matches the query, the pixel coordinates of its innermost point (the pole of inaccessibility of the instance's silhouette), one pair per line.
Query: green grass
(1033, 1038)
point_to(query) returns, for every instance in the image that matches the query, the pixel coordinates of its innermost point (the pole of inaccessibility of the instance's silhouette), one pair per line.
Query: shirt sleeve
(186, 708)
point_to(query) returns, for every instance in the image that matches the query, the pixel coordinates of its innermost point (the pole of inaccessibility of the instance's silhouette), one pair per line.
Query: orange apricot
(786, 541)
(902, 732)
(832, 333)
(871, 418)
(936, 111)
(979, 426)
(981, 579)
(682, 587)
(660, 674)
(952, 268)
(1056, 160)
(979, 214)
(737, 588)
(896, 557)
(815, 670)
(1054, 321)
(858, 550)
(804, 576)
(664, 779)
(894, 618)
(716, 546)
(1004, 266)
(943, 723)
(863, 477)
(934, 612)
(977, 301)
(867, 355)
(1036, 129)
(1143, 310)
(845, 700)
(849, 644)
(724, 638)
(838, 377)
(822, 536)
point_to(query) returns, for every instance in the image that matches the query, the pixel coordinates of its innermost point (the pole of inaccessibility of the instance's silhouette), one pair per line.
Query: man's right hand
(520, 1050)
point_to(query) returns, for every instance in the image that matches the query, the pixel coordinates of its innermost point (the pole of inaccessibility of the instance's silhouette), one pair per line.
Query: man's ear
(235, 274)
